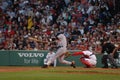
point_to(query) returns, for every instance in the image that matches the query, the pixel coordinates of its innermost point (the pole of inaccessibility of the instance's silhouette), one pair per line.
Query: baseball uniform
(88, 58)
(60, 53)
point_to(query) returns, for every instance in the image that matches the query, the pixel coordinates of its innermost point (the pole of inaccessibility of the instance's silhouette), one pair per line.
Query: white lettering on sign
(31, 55)
(31, 61)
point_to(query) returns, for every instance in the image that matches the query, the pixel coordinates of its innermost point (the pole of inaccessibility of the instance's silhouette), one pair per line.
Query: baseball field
(57, 73)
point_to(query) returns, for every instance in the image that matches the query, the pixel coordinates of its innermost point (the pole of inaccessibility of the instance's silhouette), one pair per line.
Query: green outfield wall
(35, 58)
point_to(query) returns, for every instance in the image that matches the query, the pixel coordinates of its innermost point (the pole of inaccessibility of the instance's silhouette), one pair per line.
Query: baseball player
(109, 52)
(49, 56)
(88, 58)
(61, 50)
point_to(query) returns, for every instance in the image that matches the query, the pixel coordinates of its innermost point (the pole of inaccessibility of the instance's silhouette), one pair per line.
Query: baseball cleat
(44, 66)
(73, 64)
(114, 67)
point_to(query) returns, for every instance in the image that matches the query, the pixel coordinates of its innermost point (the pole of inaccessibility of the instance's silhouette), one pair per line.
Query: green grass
(62, 74)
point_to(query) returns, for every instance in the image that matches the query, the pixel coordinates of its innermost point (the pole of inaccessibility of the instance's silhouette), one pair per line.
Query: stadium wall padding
(35, 58)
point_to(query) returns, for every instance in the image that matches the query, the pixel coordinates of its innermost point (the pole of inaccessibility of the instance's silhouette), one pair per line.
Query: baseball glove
(67, 54)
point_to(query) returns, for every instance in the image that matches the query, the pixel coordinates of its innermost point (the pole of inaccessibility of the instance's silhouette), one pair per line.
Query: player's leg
(86, 62)
(61, 60)
(59, 52)
(55, 63)
(112, 61)
(104, 61)
(45, 61)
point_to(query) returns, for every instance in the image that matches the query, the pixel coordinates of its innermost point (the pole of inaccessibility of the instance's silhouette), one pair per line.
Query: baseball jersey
(89, 54)
(62, 40)
(50, 55)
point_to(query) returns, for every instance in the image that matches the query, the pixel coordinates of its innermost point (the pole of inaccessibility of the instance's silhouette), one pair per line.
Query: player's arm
(77, 53)
(114, 51)
(67, 54)
(34, 39)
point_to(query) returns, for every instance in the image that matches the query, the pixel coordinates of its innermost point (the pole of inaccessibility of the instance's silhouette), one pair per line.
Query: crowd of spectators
(84, 22)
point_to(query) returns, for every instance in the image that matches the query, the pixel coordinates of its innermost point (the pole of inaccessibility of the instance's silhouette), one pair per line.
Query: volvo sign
(30, 55)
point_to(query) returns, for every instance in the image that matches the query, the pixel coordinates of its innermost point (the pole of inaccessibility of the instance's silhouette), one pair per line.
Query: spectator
(83, 18)
(28, 47)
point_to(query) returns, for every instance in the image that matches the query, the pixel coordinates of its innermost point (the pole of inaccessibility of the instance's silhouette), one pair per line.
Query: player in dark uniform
(107, 50)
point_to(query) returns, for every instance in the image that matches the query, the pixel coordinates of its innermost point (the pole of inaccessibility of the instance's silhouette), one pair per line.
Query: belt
(59, 47)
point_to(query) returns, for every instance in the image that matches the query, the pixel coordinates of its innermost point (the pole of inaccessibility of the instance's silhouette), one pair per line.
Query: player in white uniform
(88, 58)
(49, 56)
(60, 53)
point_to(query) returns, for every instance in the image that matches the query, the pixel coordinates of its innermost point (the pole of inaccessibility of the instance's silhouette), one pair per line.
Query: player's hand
(34, 39)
